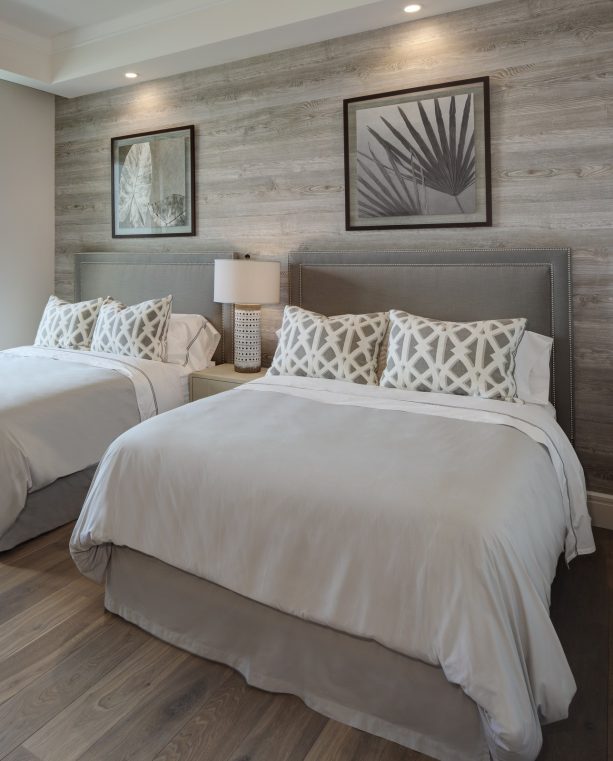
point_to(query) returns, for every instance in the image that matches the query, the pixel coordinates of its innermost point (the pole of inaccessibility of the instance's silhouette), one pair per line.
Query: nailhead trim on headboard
(543, 257)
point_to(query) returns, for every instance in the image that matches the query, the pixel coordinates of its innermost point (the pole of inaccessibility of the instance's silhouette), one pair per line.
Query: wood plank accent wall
(270, 157)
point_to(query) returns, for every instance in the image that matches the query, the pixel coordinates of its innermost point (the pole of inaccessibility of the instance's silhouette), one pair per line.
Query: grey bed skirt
(352, 680)
(48, 508)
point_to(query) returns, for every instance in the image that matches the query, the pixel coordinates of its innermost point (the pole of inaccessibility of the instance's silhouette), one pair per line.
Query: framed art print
(419, 157)
(153, 184)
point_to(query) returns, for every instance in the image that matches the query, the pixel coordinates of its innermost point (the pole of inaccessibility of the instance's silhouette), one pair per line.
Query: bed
(385, 555)
(60, 409)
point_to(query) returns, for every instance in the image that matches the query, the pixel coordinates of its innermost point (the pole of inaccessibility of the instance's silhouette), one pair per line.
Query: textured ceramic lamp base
(247, 339)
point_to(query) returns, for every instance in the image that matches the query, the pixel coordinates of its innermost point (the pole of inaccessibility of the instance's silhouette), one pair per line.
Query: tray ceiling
(75, 47)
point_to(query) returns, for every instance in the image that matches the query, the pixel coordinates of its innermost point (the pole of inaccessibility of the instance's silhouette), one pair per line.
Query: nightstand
(215, 380)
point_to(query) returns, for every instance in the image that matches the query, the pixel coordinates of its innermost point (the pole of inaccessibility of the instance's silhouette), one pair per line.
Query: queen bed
(386, 555)
(61, 408)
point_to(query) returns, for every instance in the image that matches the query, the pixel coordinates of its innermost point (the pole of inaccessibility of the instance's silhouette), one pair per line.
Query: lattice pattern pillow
(67, 326)
(135, 331)
(344, 347)
(466, 358)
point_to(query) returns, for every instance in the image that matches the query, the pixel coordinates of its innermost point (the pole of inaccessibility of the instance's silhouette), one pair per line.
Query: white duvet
(158, 386)
(60, 409)
(429, 523)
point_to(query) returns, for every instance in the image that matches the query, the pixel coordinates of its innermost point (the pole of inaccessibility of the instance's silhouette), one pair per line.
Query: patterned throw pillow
(67, 326)
(134, 331)
(344, 347)
(466, 358)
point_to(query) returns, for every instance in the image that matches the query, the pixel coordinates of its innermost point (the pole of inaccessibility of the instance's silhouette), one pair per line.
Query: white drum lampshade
(247, 285)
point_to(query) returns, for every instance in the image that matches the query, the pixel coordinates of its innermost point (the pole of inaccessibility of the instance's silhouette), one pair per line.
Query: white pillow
(532, 368)
(192, 341)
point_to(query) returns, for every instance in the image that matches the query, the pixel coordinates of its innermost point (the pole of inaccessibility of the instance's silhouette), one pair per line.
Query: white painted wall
(27, 210)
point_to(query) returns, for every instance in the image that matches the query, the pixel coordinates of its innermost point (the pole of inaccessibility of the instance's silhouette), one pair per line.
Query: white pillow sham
(64, 325)
(192, 341)
(532, 368)
(139, 330)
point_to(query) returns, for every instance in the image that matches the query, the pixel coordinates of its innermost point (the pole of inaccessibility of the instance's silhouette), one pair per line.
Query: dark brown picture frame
(414, 158)
(140, 170)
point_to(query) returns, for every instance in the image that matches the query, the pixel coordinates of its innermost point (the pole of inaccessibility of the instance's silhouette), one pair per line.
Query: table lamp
(247, 284)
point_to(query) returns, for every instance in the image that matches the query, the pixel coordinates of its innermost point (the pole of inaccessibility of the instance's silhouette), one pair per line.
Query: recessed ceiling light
(130, 75)
(414, 8)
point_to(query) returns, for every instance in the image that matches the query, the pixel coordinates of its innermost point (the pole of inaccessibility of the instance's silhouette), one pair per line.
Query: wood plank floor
(79, 684)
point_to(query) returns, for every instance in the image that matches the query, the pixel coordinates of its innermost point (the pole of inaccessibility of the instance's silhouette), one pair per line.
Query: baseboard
(601, 509)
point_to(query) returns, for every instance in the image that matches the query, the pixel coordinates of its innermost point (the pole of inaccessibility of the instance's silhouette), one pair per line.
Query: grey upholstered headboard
(458, 285)
(136, 277)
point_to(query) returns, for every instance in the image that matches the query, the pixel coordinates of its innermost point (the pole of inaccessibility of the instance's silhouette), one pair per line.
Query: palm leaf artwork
(411, 158)
(135, 186)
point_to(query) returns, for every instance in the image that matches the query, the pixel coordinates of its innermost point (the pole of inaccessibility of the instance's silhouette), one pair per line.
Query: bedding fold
(432, 526)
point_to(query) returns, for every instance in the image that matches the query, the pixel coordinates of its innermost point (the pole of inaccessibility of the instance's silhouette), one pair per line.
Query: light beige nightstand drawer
(216, 380)
(203, 387)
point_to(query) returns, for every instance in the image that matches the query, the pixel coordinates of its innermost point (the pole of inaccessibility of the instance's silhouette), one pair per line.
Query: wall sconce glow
(414, 8)
(130, 75)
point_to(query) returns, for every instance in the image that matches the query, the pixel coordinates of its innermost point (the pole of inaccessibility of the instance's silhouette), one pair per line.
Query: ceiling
(75, 47)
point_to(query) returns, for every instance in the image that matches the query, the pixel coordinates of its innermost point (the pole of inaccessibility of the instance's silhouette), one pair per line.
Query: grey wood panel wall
(270, 157)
